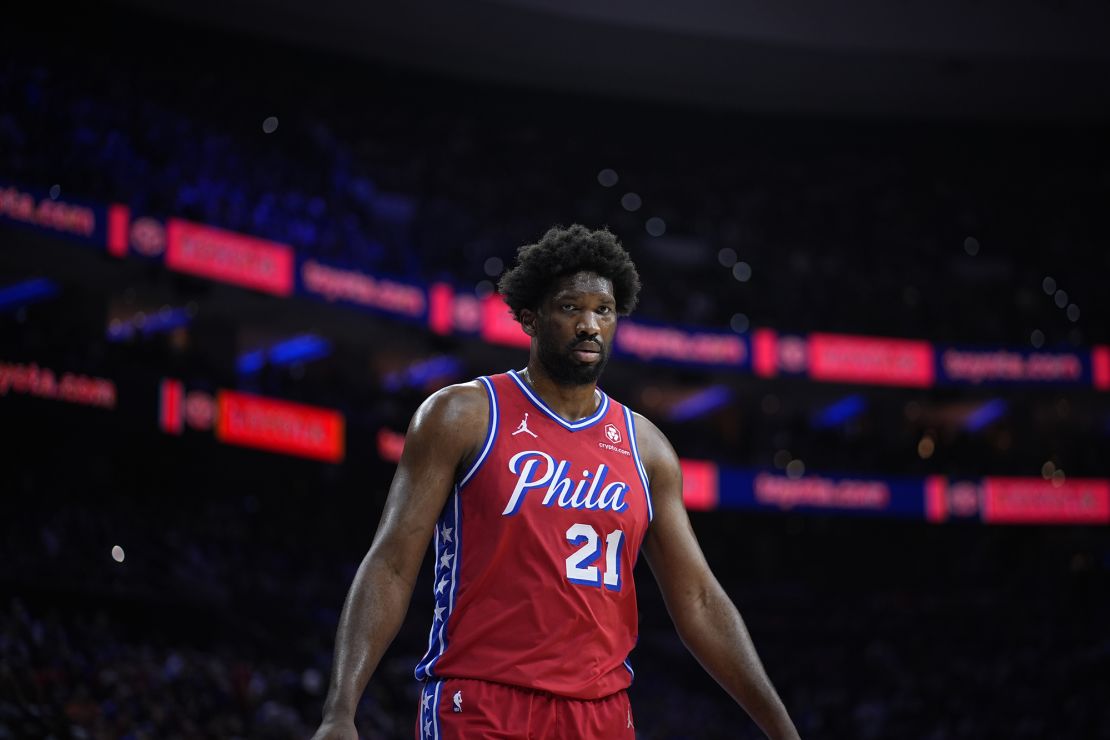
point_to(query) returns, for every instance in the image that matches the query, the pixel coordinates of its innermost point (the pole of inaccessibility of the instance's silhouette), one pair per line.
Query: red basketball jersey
(535, 550)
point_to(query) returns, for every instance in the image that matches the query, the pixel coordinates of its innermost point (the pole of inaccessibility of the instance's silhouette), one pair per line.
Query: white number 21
(580, 568)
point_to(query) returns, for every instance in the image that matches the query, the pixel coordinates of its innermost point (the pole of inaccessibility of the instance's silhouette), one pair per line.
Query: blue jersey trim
(453, 588)
(445, 582)
(631, 424)
(421, 670)
(435, 710)
(448, 548)
(573, 426)
(491, 432)
(429, 727)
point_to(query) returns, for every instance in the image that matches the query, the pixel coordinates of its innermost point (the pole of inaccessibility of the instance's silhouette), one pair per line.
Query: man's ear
(528, 321)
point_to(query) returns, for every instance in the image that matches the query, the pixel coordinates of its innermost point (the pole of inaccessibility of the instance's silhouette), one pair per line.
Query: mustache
(593, 344)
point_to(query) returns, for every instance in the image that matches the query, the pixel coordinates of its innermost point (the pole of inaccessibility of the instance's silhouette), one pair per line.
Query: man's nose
(588, 324)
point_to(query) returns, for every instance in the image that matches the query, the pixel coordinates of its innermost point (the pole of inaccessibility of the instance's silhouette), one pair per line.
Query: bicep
(438, 440)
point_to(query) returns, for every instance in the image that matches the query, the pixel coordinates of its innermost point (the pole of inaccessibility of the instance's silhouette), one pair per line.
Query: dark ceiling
(1022, 59)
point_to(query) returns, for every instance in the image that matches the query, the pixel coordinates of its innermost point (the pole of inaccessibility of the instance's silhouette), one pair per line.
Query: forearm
(372, 614)
(716, 635)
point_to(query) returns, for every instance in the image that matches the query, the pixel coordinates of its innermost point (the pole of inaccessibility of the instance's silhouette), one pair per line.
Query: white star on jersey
(447, 533)
(441, 585)
(445, 561)
(424, 702)
(439, 612)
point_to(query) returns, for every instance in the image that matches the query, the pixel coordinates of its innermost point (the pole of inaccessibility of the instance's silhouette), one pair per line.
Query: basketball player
(538, 492)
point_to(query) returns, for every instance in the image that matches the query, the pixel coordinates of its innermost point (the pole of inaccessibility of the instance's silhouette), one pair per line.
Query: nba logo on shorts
(612, 433)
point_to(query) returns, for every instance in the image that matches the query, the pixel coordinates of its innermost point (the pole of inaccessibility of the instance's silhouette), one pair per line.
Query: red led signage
(441, 308)
(1100, 367)
(170, 406)
(699, 484)
(499, 326)
(228, 257)
(119, 224)
(854, 359)
(1039, 501)
(390, 445)
(279, 426)
(765, 351)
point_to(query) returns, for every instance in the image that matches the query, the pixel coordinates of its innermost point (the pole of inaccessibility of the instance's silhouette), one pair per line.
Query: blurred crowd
(930, 229)
(976, 233)
(216, 617)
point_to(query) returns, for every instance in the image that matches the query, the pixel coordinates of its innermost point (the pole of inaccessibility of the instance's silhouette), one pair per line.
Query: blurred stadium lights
(701, 403)
(795, 469)
(165, 320)
(419, 374)
(493, 266)
(28, 291)
(251, 362)
(839, 412)
(742, 271)
(985, 414)
(303, 348)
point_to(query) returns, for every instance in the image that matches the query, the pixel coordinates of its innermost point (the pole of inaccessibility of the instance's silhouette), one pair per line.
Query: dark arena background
(241, 241)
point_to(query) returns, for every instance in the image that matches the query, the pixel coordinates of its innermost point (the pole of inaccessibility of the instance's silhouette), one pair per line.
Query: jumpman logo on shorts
(524, 427)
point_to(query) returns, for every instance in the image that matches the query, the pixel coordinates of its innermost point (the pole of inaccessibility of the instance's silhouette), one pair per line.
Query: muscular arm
(706, 619)
(444, 434)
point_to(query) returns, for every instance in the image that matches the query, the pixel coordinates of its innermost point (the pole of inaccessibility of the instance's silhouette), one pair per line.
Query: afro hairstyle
(566, 251)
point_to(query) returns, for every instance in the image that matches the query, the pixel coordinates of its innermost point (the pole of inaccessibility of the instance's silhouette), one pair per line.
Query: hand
(336, 730)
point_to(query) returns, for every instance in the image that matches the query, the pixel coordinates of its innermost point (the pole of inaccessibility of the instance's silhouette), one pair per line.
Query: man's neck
(572, 402)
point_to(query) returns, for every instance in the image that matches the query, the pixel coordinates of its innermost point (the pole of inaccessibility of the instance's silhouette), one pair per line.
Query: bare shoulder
(450, 426)
(453, 408)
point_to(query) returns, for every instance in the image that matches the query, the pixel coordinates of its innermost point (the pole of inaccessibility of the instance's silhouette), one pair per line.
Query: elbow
(692, 614)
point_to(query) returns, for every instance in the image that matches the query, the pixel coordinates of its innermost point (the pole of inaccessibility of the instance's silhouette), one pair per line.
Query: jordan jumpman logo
(524, 427)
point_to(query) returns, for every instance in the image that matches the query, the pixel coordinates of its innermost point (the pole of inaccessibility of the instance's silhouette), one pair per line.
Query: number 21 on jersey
(580, 565)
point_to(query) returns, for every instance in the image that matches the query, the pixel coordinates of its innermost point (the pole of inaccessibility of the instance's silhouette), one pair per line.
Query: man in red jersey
(538, 492)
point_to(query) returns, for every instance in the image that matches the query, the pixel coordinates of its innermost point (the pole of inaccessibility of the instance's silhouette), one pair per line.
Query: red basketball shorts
(463, 708)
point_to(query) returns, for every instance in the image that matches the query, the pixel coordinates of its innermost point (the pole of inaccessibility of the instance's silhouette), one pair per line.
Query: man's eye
(603, 309)
(568, 306)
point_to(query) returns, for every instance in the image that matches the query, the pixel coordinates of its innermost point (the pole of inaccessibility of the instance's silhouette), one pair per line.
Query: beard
(563, 368)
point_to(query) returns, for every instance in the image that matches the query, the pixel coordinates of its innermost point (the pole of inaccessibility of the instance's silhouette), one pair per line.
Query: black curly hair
(565, 251)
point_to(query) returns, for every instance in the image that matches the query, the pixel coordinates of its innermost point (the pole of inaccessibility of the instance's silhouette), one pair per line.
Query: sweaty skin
(575, 324)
